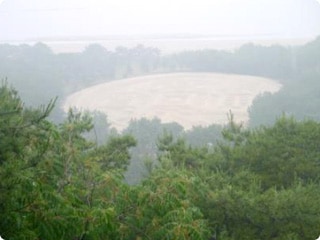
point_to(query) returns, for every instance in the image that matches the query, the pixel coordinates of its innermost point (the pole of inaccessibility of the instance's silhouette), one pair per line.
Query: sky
(20, 19)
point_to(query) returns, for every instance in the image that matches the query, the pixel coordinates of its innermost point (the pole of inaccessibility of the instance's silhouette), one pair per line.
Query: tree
(52, 185)
(25, 138)
(256, 184)
(278, 154)
(160, 208)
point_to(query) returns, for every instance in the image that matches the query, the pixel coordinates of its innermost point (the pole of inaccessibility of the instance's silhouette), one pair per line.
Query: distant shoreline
(166, 44)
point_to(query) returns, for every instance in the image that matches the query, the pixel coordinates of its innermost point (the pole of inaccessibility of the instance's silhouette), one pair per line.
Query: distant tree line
(299, 96)
(40, 75)
(34, 70)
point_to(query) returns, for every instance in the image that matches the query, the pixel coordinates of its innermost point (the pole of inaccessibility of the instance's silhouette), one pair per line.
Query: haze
(20, 19)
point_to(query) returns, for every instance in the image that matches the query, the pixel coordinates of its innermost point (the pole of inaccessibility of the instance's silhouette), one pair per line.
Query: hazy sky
(21, 19)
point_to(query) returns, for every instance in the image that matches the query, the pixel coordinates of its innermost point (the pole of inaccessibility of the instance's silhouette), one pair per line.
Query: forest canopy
(260, 183)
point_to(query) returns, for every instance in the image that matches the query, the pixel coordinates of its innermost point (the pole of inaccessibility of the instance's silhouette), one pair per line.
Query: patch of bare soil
(190, 99)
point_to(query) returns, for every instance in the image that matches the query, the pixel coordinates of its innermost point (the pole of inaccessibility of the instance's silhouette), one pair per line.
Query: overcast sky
(21, 19)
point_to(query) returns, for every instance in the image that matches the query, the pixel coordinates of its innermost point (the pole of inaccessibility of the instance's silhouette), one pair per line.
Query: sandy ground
(190, 99)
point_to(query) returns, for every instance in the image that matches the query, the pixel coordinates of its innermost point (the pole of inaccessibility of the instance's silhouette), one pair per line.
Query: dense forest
(71, 176)
(261, 183)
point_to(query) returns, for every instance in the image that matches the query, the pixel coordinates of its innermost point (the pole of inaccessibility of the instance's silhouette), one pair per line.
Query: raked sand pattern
(191, 99)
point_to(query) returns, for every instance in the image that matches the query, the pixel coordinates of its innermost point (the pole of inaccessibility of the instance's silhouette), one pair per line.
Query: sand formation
(190, 99)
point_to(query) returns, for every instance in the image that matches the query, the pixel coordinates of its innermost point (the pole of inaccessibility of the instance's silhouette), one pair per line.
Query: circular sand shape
(190, 99)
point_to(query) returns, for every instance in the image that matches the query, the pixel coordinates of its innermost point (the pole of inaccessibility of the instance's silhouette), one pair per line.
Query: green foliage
(52, 185)
(160, 208)
(146, 132)
(201, 136)
(115, 153)
(25, 138)
(58, 185)
(179, 153)
(240, 209)
(256, 184)
(279, 154)
(299, 97)
(264, 182)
